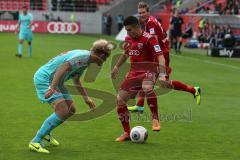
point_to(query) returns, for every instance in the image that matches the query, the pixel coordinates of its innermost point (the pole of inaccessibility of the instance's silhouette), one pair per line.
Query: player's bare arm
(56, 78)
(162, 68)
(123, 58)
(17, 27)
(30, 25)
(77, 83)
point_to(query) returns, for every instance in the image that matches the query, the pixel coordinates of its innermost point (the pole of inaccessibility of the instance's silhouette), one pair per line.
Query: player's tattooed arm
(57, 78)
(162, 68)
(59, 74)
(163, 74)
(77, 83)
(123, 58)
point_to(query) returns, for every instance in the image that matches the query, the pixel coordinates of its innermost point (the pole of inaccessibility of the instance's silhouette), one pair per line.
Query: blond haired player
(49, 82)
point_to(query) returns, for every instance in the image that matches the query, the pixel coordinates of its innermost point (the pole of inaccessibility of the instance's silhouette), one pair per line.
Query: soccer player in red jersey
(147, 63)
(153, 26)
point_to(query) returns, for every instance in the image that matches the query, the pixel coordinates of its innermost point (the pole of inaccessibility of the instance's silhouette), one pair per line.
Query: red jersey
(154, 27)
(143, 52)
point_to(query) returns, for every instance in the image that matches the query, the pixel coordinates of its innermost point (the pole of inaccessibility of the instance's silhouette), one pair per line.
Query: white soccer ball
(138, 134)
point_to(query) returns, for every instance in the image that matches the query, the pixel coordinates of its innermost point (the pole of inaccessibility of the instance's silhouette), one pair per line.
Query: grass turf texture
(212, 133)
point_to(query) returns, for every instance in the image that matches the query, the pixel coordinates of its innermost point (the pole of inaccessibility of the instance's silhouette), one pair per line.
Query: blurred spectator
(201, 36)
(109, 24)
(178, 3)
(59, 19)
(202, 23)
(218, 8)
(120, 19)
(104, 19)
(216, 36)
(51, 17)
(188, 32)
(228, 7)
(229, 39)
(46, 17)
(72, 18)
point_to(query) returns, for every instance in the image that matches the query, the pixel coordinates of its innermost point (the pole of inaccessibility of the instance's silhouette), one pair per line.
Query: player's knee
(147, 88)
(63, 112)
(61, 107)
(121, 100)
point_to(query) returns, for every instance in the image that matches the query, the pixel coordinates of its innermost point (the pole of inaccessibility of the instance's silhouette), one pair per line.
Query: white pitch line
(209, 62)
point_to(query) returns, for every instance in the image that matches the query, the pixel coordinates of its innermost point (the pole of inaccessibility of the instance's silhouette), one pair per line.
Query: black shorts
(177, 33)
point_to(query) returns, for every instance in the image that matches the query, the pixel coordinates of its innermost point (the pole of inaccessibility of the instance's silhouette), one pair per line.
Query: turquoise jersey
(78, 59)
(25, 20)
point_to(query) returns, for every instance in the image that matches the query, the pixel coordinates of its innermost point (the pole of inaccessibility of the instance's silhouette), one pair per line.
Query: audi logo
(134, 52)
(62, 27)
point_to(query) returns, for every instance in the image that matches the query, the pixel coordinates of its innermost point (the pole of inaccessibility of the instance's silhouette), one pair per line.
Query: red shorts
(133, 81)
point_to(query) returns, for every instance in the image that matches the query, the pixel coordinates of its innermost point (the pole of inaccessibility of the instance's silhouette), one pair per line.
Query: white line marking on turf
(207, 61)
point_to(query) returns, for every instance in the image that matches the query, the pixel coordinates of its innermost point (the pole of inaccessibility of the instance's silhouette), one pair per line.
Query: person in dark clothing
(229, 39)
(176, 25)
(109, 24)
(188, 33)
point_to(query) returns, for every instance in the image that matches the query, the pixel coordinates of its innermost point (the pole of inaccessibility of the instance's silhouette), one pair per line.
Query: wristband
(162, 74)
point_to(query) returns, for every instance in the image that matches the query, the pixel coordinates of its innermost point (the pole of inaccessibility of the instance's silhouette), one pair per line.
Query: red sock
(141, 97)
(152, 103)
(123, 115)
(177, 85)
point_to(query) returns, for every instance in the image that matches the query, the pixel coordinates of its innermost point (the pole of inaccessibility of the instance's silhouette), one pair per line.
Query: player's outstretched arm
(162, 67)
(163, 73)
(123, 58)
(83, 92)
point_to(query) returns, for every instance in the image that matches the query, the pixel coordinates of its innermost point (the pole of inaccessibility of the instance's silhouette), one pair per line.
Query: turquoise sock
(30, 50)
(48, 125)
(20, 48)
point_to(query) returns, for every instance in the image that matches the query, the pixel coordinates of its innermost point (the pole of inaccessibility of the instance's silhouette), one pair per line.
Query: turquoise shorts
(42, 86)
(28, 36)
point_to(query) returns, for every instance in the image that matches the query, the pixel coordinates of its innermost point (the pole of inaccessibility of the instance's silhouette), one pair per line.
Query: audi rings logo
(63, 27)
(134, 52)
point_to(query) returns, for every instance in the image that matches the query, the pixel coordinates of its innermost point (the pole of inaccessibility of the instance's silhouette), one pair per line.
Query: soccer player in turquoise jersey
(49, 82)
(24, 27)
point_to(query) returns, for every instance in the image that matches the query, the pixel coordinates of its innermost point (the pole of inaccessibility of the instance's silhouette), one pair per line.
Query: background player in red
(146, 61)
(153, 26)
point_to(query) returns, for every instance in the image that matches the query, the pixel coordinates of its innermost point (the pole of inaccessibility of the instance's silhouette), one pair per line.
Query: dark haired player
(146, 60)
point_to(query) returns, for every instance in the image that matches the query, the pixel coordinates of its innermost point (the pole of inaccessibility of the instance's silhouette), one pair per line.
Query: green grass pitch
(213, 132)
